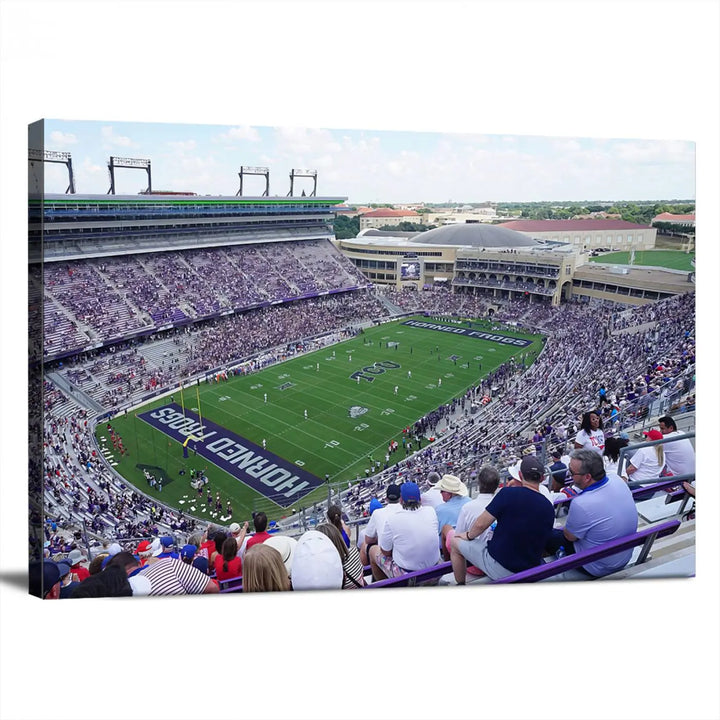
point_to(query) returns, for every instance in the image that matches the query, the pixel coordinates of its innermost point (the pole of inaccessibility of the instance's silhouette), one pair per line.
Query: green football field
(671, 259)
(353, 411)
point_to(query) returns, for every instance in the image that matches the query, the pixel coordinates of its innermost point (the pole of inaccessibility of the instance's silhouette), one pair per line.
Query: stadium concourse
(629, 364)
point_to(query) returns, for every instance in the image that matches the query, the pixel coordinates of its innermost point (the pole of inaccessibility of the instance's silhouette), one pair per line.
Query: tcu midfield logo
(371, 371)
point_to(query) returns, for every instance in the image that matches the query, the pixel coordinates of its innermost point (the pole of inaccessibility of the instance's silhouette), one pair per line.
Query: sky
(371, 166)
(504, 68)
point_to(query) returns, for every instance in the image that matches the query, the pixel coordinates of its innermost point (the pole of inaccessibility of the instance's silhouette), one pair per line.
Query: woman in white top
(647, 463)
(611, 455)
(591, 435)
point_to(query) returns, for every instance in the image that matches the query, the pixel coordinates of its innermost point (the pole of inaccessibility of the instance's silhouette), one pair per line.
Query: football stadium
(220, 373)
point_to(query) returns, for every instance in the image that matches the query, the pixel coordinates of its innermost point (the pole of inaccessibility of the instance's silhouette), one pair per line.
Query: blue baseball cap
(410, 492)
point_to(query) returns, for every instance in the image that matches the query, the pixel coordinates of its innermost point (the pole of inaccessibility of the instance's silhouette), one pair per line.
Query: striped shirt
(174, 577)
(352, 568)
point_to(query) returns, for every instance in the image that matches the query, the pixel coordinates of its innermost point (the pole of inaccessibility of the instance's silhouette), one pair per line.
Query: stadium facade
(545, 264)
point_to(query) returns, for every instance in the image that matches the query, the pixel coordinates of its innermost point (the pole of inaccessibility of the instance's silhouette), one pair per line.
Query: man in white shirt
(409, 540)
(679, 454)
(377, 521)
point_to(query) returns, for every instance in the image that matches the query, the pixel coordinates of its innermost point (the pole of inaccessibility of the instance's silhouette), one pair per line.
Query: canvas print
(286, 359)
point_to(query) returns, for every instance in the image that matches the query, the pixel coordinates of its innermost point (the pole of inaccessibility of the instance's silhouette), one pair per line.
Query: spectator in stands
(349, 556)
(454, 493)
(432, 496)
(260, 522)
(264, 570)
(44, 579)
(188, 553)
(604, 511)
(591, 433)
(488, 482)
(67, 583)
(558, 469)
(167, 549)
(334, 515)
(111, 581)
(316, 564)
(227, 563)
(647, 463)
(240, 535)
(378, 519)
(374, 505)
(611, 453)
(218, 538)
(144, 551)
(174, 577)
(285, 545)
(409, 540)
(524, 524)
(679, 454)
(75, 560)
(96, 563)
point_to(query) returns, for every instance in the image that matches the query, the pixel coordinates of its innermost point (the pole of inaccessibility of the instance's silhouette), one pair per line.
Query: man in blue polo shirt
(604, 510)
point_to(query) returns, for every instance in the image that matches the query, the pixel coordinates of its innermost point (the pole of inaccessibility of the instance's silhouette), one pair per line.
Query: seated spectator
(334, 515)
(488, 482)
(174, 577)
(75, 560)
(349, 556)
(611, 454)
(240, 535)
(604, 511)
(679, 454)
(532, 469)
(111, 581)
(264, 570)
(227, 563)
(454, 493)
(285, 545)
(647, 463)
(44, 579)
(374, 505)
(144, 551)
(378, 519)
(524, 520)
(167, 549)
(432, 496)
(558, 469)
(316, 564)
(409, 540)
(67, 581)
(260, 522)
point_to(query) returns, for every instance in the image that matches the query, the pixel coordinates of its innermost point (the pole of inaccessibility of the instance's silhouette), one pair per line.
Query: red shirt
(234, 568)
(258, 537)
(80, 571)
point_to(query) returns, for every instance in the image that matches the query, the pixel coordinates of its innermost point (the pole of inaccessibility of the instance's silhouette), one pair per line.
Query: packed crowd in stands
(127, 372)
(103, 299)
(586, 364)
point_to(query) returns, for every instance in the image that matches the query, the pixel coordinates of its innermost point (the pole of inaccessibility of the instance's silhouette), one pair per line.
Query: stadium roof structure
(558, 225)
(374, 232)
(479, 235)
(389, 213)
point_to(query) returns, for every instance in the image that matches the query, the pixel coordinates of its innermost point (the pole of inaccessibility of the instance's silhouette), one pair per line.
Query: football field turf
(251, 436)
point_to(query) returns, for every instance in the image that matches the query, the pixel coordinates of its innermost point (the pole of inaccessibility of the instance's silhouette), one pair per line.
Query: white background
(603, 69)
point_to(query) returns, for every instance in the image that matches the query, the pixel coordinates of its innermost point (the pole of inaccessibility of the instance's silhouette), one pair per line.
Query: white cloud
(60, 140)
(242, 132)
(110, 139)
(183, 146)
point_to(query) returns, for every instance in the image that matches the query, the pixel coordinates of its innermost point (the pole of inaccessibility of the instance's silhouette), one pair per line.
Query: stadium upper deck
(75, 226)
